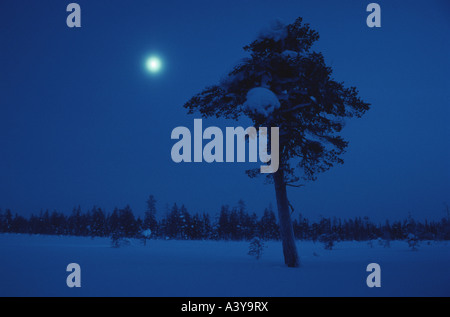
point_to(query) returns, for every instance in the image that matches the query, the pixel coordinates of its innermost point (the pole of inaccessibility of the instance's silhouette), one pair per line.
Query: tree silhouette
(150, 215)
(310, 115)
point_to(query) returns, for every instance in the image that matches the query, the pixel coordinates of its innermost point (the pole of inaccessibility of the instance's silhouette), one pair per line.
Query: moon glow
(153, 64)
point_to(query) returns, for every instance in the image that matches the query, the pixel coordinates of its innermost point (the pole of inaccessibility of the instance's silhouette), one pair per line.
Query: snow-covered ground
(36, 266)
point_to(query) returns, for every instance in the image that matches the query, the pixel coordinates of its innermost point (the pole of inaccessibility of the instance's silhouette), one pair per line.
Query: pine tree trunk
(284, 216)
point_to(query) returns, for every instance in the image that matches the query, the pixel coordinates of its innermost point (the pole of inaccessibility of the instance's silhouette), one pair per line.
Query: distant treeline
(232, 223)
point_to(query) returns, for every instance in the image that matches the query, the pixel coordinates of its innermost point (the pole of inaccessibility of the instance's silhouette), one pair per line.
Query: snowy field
(36, 266)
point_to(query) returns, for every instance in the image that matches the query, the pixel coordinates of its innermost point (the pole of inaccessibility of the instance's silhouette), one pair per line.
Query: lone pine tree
(309, 115)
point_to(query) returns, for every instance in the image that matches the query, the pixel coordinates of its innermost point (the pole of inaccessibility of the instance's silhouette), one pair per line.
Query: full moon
(153, 64)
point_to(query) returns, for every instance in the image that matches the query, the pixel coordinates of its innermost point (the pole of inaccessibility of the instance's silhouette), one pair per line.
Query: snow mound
(289, 54)
(276, 30)
(262, 100)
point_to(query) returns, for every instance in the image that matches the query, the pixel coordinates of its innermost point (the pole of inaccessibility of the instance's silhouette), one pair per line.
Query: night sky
(82, 122)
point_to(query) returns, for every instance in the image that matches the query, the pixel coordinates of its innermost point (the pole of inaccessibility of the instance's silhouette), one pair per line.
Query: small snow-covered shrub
(146, 234)
(386, 240)
(256, 248)
(413, 241)
(328, 239)
(118, 241)
(380, 241)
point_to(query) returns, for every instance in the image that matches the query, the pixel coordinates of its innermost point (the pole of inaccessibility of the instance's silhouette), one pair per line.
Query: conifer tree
(309, 113)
